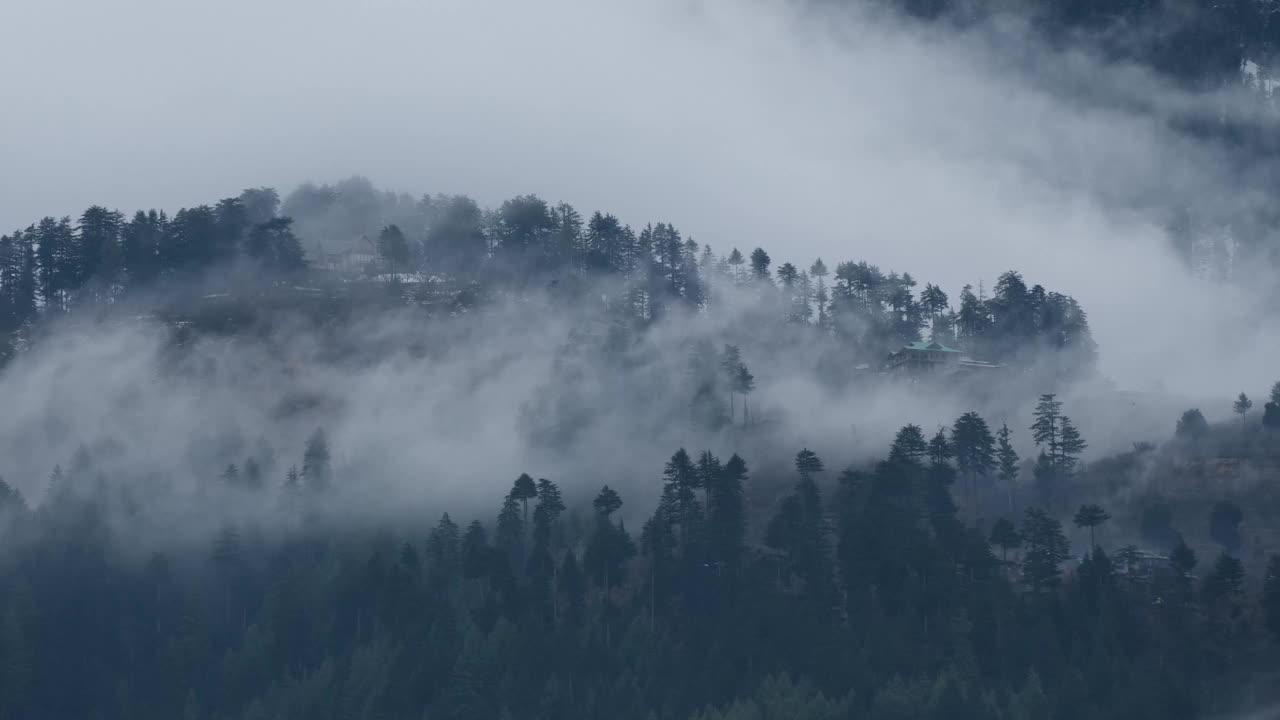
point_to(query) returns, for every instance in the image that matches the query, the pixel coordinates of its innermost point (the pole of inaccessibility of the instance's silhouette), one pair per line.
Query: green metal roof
(930, 346)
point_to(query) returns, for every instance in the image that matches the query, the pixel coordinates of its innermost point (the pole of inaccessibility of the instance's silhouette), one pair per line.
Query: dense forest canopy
(937, 581)
(340, 451)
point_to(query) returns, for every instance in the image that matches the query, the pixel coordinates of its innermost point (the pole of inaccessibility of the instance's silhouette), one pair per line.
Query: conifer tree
(1241, 407)
(1046, 548)
(1070, 445)
(726, 521)
(475, 551)
(760, 265)
(974, 450)
(550, 506)
(509, 533)
(524, 489)
(315, 461)
(1091, 516)
(735, 262)
(1005, 536)
(730, 361)
(444, 548)
(1046, 430)
(940, 449)
(1007, 462)
(1192, 425)
(909, 445)
(679, 503)
(821, 298)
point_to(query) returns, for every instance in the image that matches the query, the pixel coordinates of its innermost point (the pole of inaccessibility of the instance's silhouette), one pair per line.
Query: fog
(952, 155)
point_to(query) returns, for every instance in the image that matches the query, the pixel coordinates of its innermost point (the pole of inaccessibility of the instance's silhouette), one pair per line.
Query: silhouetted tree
(1046, 548)
(1241, 407)
(1192, 425)
(1007, 462)
(1091, 516)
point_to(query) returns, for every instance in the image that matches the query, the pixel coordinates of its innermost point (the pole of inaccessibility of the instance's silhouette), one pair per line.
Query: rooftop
(929, 346)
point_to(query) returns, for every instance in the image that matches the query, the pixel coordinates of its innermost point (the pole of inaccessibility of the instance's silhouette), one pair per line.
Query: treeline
(870, 595)
(457, 254)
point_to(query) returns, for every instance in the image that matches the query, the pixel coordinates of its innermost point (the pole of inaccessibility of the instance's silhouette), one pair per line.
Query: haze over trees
(354, 453)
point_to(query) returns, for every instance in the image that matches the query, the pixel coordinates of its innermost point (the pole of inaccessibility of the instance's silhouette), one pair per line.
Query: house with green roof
(926, 357)
(922, 357)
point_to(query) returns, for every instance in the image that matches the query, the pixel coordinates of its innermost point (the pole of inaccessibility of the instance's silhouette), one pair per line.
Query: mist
(953, 155)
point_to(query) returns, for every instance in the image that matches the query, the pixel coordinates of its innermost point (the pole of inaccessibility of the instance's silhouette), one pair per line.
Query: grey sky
(741, 122)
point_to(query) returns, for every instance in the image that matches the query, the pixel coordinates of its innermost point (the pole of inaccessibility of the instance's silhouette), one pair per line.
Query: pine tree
(744, 383)
(940, 449)
(315, 461)
(444, 548)
(98, 244)
(509, 534)
(730, 361)
(1241, 407)
(1005, 536)
(1007, 462)
(475, 551)
(680, 499)
(974, 449)
(139, 247)
(1091, 516)
(726, 520)
(1070, 446)
(524, 489)
(1046, 430)
(1192, 425)
(274, 245)
(821, 298)
(760, 265)
(393, 248)
(609, 546)
(909, 445)
(1046, 548)
(735, 263)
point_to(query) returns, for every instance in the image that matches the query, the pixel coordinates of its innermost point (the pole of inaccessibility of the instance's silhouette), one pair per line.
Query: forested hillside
(982, 570)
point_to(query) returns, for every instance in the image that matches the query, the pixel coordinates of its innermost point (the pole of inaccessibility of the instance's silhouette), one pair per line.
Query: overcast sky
(744, 123)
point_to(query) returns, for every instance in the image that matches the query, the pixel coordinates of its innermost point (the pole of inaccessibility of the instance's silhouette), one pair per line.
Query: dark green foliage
(760, 264)
(1007, 462)
(1091, 516)
(273, 244)
(974, 449)
(327, 621)
(1005, 536)
(909, 445)
(1192, 425)
(1045, 549)
(1271, 415)
(726, 514)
